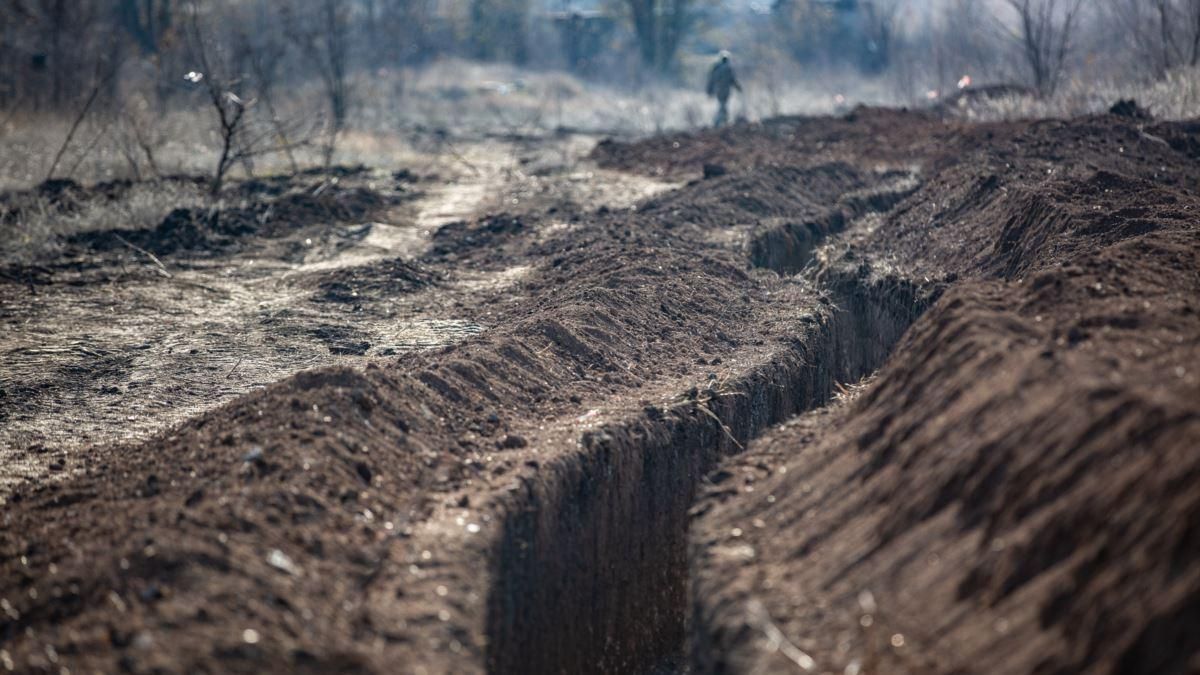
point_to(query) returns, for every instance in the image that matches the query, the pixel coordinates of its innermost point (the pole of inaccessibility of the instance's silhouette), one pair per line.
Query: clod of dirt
(341, 339)
(405, 176)
(377, 280)
(461, 237)
(1130, 108)
(512, 442)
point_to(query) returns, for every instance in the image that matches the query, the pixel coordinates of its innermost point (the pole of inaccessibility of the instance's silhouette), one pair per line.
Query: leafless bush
(221, 90)
(322, 34)
(228, 96)
(1161, 34)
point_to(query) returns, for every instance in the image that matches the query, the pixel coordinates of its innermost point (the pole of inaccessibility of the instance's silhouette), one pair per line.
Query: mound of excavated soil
(381, 279)
(866, 135)
(1015, 491)
(305, 526)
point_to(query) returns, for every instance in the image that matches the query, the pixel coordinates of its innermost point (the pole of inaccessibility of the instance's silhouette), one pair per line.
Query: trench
(590, 571)
(788, 246)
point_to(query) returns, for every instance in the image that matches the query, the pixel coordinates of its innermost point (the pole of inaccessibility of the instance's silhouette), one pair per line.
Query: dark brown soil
(211, 231)
(519, 502)
(354, 285)
(299, 513)
(1015, 491)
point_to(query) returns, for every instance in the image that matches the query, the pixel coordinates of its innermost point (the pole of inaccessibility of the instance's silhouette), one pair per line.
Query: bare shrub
(322, 34)
(1161, 34)
(222, 91)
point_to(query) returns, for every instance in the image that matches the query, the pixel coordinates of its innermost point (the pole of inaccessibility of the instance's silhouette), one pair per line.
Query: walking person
(721, 82)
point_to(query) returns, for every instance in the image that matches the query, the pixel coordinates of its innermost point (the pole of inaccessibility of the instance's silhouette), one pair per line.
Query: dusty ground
(126, 332)
(526, 363)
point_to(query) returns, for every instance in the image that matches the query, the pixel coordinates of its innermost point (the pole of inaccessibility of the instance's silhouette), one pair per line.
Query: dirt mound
(800, 141)
(275, 530)
(995, 499)
(460, 238)
(198, 231)
(1130, 108)
(380, 279)
(757, 194)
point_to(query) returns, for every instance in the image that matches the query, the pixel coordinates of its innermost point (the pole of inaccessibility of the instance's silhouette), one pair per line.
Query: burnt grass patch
(200, 231)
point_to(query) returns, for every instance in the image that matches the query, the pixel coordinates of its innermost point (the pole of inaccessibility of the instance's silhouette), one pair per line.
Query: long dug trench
(590, 568)
(1003, 478)
(398, 483)
(589, 481)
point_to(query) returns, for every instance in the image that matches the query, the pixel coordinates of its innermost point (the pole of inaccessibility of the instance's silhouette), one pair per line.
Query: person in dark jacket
(721, 82)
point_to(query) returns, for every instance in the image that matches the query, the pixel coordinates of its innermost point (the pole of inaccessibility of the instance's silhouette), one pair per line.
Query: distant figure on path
(721, 81)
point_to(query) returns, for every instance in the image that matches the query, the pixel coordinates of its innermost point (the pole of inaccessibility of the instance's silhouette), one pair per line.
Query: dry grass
(403, 116)
(40, 223)
(399, 109)
(1175, 97)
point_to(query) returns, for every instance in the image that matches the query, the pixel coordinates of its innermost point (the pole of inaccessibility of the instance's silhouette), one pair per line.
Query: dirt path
(115, 349)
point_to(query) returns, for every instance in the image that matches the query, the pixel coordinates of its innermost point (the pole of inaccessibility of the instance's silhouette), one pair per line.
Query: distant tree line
(51, 51)
(239, 58)
(1039, 44)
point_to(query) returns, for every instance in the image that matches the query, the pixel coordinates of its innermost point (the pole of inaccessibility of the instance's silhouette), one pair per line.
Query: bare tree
(221, 91)
(1164, 34)
(660, 26)
(323, 37)
(146, 20)
(1043, 35)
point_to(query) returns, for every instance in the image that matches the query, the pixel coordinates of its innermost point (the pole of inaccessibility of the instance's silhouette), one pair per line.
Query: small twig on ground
(776, 640)
(703, 406)
(443, 141)
(235, 367)
(210, 289)
(161, 267)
